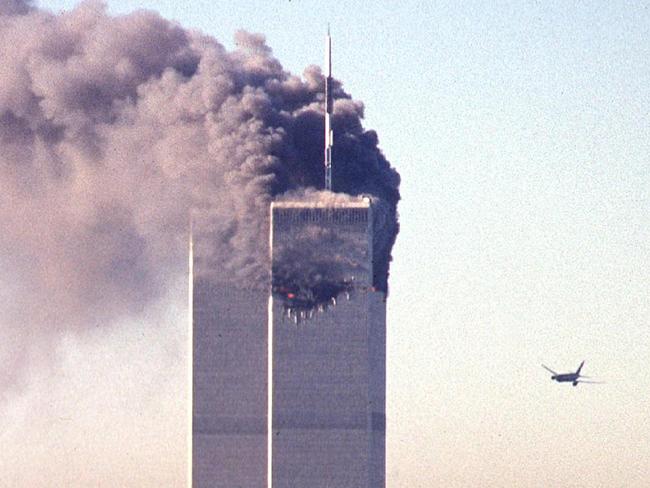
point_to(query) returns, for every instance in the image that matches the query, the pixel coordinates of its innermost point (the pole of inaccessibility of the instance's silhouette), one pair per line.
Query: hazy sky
(521, 133)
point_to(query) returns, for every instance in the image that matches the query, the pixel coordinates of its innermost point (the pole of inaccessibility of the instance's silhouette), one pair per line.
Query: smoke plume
(113, 128)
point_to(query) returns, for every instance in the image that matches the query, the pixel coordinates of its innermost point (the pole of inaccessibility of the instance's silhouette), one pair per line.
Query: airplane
(573, 378)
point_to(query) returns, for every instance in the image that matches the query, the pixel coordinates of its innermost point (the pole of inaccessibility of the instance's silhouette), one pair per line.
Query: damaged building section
(321, 252)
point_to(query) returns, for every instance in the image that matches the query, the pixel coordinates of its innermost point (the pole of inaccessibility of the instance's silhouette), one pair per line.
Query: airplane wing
(592, 382)
(548, 369)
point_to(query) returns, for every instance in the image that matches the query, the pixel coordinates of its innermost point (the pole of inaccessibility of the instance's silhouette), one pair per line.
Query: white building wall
(329, 396)
(329, 371)
(229, 424)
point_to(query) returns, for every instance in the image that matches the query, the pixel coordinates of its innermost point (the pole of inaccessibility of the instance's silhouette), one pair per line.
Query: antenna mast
(329, 102)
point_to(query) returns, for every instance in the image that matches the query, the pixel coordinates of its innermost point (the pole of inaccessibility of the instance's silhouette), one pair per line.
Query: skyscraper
(229, 378)
(328, 348)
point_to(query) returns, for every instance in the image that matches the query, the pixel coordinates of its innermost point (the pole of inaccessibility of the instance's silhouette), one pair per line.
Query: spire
(329, 103)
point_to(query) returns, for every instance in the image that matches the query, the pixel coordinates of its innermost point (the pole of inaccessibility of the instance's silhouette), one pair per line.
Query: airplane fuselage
(564, 378)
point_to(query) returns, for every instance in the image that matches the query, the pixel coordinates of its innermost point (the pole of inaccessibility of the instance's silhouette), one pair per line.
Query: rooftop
(353, 202)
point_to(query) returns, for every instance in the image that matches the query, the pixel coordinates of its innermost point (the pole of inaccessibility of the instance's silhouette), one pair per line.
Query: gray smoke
(14, 7)
(113, 128)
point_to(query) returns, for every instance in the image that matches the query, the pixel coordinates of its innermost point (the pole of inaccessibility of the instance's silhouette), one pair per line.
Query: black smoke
(113, 128)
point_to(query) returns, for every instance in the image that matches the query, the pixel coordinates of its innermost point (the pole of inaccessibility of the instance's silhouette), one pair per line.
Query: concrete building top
(354, 202)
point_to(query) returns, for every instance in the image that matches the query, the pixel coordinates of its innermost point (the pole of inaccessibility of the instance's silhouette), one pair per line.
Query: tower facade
(229, 379)
(327, 351)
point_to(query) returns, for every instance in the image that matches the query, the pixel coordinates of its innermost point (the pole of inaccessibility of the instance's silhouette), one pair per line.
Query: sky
(520, 133)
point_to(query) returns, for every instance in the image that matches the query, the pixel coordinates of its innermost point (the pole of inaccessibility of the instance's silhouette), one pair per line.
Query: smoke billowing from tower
(113, 128)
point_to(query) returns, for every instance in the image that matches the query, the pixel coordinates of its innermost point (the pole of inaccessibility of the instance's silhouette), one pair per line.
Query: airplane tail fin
(580, 367)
